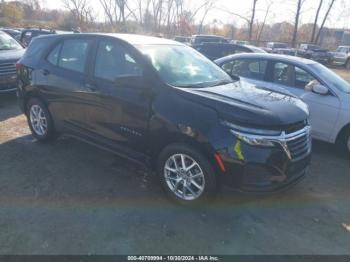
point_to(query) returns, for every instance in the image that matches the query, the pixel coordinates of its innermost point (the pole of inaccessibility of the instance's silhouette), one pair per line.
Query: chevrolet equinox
(163, 104)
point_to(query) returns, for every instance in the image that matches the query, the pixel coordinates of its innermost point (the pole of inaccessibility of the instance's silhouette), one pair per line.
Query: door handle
(90, 87)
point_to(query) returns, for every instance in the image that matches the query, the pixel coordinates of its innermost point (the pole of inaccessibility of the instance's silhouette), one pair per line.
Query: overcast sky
(281, 10)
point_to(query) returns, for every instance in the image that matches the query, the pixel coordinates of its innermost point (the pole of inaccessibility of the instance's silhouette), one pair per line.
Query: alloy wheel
(38, 120)
(184, 177)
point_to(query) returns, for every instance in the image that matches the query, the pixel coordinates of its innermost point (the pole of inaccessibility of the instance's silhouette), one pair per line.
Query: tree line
(170, 18)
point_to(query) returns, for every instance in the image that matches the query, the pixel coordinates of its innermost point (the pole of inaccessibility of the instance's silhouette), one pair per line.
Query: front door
(323, 109)
(123, 96)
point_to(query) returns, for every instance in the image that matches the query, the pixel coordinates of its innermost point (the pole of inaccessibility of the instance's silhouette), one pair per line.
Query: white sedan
(326, 93)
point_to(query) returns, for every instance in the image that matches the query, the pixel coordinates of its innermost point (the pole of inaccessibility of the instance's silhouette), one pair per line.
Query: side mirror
(320, 89)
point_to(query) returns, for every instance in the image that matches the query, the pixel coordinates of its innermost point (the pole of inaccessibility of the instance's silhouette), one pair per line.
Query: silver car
(342, 56)
(327, 94)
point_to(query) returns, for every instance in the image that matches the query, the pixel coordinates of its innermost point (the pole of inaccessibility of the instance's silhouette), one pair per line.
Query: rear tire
(186, 175)
(40, 120)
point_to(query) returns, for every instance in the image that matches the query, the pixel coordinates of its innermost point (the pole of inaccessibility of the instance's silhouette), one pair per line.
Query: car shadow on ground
(70, 192)
(8, 106)
(69, 169)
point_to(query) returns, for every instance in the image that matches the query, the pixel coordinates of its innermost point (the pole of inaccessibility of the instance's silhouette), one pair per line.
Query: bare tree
(324, 20)
(81, 11)
(314, 26)
(269, 4)
(251, 22)
(207, 7)
(110, 11)
(296, 22)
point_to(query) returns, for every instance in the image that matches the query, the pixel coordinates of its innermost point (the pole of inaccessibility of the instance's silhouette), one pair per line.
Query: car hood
(11, 55)
(244, 103)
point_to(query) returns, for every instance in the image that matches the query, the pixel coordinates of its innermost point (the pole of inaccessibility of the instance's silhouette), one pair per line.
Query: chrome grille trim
(7, 69)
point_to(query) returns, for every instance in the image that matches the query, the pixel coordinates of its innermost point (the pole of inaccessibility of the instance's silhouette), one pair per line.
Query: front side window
(182, 66)
(250, 68)
(74, 54)
(228, 67)
(282, 74)
(302, 78)
(113, 62)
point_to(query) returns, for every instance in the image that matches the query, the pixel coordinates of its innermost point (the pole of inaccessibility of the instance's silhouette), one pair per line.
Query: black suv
(161, 103)
(215, 51)
(314, 52)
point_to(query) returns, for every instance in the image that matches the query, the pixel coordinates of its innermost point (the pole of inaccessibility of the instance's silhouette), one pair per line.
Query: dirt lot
(69, 197)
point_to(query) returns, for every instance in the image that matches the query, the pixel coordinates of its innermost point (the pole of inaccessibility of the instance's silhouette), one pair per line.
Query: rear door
(122, 94)
(64, 74)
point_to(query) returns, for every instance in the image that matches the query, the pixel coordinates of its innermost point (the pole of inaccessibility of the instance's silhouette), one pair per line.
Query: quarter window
(53, 56)
(113, 62)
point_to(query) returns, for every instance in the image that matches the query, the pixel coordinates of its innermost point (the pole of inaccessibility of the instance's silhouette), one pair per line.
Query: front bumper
(8, 83)
(260, 169)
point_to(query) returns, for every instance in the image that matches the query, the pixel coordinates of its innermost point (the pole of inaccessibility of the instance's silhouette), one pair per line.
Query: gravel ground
(71, 198)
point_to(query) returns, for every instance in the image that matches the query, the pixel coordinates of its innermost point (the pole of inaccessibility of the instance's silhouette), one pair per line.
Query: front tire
(186, 175)
(343, 142)
(347, 64)
(40, 121)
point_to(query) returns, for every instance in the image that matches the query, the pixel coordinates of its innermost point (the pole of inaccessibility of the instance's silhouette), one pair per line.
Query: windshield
(332, 77)
(182, 66)
(8, 43)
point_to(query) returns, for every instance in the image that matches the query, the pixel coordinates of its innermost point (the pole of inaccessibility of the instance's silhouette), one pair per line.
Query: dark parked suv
(161, 103)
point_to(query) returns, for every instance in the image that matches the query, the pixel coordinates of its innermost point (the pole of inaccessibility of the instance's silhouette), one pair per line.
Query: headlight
(252, 136)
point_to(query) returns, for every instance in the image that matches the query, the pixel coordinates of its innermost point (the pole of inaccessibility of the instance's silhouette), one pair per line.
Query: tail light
(18, 67)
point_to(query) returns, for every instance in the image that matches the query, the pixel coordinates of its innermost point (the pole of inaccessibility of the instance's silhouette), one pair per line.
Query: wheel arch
(29, 95)
(342, 132)
(177, 138)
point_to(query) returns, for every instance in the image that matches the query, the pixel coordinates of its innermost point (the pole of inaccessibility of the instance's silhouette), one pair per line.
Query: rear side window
(74, 54)
(113, 62)
(250, 68)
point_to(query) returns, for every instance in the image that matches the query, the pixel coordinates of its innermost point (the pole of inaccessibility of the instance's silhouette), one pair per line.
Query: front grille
(7, 69)
(298, 144)
(295, 127)
(299, 147)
